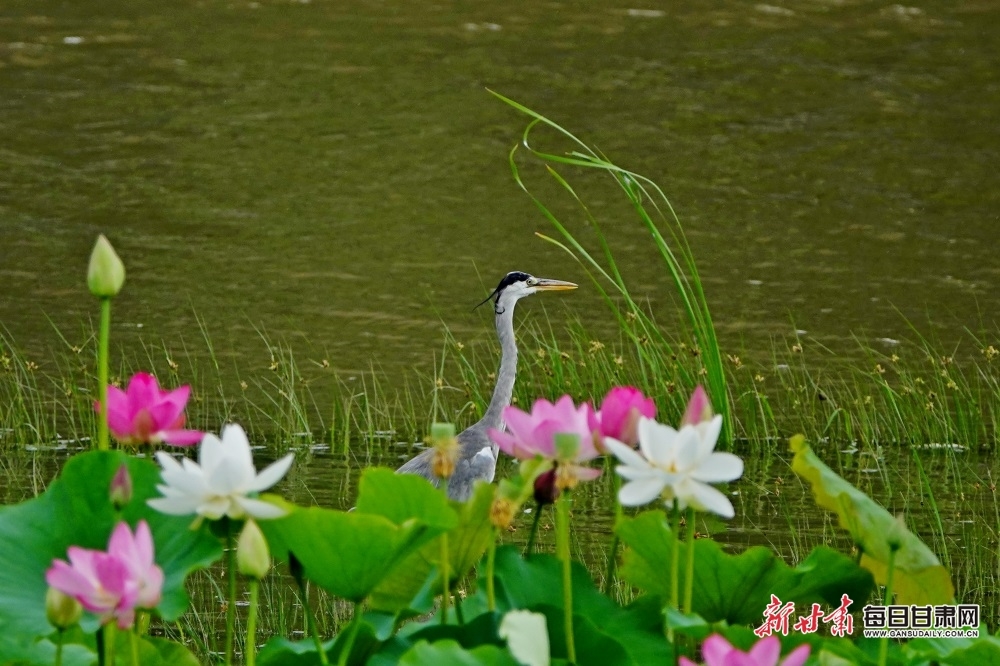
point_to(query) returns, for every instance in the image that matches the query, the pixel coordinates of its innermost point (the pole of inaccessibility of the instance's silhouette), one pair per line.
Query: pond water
(334, 174)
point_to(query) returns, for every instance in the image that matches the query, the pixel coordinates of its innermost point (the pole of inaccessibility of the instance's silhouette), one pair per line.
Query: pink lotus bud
(699, 408)
(121, 488)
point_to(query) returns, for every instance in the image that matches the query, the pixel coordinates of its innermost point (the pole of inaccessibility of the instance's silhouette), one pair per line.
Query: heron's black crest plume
(509, 279)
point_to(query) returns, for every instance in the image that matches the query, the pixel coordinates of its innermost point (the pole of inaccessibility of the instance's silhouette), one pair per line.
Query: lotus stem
(107, 633)
(104, 343)
(231, 584)
(562, 546)
(345, 652)
(883, 648)
(445, 569)
(529, 550)
(101, 654)
(311, 621)
(59, 648)
(445, 575)
(491, 557)
(614, 485)
(689, 569)
(133, 640)
(250, 650)
(675, 526)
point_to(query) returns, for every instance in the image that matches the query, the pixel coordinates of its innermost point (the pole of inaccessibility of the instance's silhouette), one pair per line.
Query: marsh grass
(912, 425)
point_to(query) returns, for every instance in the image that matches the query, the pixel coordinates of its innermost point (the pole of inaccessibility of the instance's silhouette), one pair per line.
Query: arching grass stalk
(689, 569)
(562, 546)
(649, 201)
(104, 338)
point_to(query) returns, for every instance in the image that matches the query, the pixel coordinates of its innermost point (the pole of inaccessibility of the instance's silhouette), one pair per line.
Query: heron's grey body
(477, 458)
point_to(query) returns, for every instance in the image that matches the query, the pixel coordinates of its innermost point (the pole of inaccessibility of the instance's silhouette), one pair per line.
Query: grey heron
(477, 458)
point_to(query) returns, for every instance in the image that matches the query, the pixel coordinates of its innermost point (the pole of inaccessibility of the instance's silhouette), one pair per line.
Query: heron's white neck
(493, 418)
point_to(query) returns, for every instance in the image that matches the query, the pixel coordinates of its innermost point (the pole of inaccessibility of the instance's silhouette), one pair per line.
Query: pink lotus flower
(112, 584)
(620, 412)
(534, 434)
(717, 651)
(145, 414)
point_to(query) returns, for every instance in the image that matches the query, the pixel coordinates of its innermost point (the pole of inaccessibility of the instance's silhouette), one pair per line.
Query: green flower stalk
(675, 527)
(254, 561)
(689, 569)
(352, 628)
(295, 569)
(105, 277)
(231, 590)
(562, 546)
(446, 451)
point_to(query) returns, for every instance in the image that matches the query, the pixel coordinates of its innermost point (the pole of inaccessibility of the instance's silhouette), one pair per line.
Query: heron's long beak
(545, 284)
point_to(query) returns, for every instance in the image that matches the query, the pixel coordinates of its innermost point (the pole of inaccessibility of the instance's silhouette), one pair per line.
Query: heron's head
(516, 285)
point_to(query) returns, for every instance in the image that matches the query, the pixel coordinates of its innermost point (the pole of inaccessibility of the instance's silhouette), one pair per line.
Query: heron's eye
(532, 281)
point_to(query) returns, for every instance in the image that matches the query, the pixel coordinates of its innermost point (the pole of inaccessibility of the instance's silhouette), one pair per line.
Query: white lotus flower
(677, 464)
(218, 484)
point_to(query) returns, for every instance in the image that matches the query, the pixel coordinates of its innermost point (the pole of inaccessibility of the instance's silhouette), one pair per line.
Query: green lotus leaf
(535, 584)
(736, 588)
(918, 576)
(20, 651)
(350, 554)
(451, 653)
(402, 497)
(279, 651)
(75, 510)
(152, 651)
(957, 651)
(466, 544)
